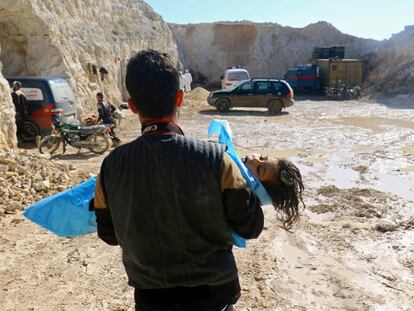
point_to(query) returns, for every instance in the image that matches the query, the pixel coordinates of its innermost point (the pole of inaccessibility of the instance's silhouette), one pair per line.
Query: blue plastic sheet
(221, 128)
(66, 214)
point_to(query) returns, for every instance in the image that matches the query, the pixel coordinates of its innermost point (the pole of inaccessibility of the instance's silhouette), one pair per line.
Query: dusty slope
(352, 251)
(391, 67)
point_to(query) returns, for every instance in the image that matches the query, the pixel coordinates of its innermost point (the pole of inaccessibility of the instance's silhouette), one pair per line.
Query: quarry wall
(266, 50)
(269, 50)
(75, 38)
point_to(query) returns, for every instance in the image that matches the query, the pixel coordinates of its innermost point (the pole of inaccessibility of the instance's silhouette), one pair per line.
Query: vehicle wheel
(98, 143)
(275, 107)
(49, 144)
(223, 105)
(28, 131)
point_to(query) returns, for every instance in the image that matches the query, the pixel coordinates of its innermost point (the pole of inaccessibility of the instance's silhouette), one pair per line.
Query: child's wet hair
(286, 192)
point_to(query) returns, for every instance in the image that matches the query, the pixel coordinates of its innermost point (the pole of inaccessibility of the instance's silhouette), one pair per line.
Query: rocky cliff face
(390, 68)
(7, 116)
(65, 38)
(266, 50)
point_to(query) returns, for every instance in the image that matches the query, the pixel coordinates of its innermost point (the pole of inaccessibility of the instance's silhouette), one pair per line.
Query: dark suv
(267, 93)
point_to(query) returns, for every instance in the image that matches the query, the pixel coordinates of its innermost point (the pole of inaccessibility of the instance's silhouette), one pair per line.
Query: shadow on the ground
(239, 112)
(26, 146)
(389, 103)
(312, 97)
(76, 156)
(321, 98)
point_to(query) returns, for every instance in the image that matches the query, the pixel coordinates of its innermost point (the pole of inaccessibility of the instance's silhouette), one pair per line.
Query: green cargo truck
(340, 78)
(334, 73)
(329, 72)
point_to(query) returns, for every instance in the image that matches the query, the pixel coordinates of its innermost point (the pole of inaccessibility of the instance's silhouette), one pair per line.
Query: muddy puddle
(328, 173)
(374, 123)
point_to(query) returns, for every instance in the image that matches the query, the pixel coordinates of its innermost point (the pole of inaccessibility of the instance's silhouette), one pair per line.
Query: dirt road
(353, 249)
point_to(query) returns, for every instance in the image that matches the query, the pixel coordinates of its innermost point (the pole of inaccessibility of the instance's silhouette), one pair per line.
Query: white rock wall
(7, 116)
(59, 38)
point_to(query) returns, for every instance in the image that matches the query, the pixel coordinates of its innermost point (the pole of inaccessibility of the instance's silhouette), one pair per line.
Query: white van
(233, 77)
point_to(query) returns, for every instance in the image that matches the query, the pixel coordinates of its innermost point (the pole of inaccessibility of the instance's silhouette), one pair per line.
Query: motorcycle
(111, 133)
(343, 92)
(354, 93)
(95, 138)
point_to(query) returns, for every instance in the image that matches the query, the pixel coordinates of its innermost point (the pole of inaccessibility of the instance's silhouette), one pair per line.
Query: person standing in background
(182, 87)
(106, 111)
(20, 104)
(188, 79)
(182, 79)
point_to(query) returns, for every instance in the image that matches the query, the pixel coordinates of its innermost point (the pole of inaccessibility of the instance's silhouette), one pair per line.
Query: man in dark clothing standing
(106, 115)
(20, 104)
(105, 110)
(171, 201)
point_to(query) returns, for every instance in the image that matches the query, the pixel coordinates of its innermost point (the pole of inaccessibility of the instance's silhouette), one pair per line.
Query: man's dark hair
(99, 94)
(152, 82)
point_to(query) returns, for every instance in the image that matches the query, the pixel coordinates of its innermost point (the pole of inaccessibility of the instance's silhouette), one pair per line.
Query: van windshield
(238, 76)
(62, 92)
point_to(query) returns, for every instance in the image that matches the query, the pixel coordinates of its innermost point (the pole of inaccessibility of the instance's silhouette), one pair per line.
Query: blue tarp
(67, 214)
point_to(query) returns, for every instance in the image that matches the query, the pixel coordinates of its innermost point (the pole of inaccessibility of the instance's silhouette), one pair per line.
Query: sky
(363, 18)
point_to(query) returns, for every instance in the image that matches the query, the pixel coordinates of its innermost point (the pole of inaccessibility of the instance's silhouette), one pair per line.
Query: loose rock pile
(197, 98)
(28, 178)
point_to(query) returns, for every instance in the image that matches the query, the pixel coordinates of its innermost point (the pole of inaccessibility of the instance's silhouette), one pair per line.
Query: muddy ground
(353, 249)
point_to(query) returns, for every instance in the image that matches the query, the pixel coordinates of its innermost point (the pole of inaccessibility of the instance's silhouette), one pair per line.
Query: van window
(62, 92)
(33, 94)
(238, 76)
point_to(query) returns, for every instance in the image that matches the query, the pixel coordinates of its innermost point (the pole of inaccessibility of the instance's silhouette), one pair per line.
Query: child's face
(263, 168)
